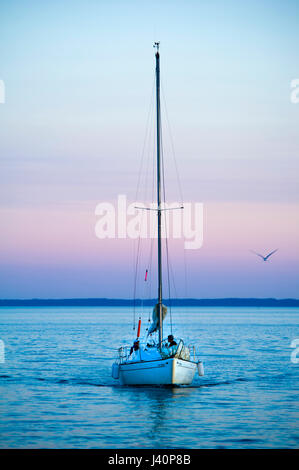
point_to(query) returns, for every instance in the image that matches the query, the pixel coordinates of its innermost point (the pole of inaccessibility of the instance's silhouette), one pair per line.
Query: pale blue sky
(79, 73)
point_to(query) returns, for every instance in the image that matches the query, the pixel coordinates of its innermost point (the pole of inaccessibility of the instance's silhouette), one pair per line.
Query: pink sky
(55, 253)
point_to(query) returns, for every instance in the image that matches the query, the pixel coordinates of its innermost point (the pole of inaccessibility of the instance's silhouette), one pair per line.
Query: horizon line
(188, 301)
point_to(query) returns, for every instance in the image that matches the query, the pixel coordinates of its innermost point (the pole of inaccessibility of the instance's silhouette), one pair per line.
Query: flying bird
(265, 258)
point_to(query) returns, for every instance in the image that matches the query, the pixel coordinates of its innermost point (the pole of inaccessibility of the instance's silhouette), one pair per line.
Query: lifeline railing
(172, 351)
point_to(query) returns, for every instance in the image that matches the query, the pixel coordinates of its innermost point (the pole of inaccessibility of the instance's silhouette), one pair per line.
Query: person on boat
(172, 344)
(135, 347)
(171, 341)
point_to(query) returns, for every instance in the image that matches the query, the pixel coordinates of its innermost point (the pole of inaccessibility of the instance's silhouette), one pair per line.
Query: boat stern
(182, 371)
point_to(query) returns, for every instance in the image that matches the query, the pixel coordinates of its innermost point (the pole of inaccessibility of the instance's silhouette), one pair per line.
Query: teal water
(56, 389)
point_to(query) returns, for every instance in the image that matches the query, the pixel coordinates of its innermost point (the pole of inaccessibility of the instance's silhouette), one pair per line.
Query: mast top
(157, 45)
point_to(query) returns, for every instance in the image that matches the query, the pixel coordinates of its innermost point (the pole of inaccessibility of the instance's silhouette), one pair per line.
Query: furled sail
(155, 318)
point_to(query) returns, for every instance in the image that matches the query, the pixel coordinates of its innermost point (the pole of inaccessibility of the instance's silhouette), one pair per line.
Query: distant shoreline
(105, 302)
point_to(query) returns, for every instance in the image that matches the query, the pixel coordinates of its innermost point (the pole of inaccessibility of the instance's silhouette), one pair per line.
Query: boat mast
(156, 45)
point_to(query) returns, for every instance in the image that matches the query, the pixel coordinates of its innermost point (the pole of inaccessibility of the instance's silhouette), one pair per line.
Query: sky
(79, 79)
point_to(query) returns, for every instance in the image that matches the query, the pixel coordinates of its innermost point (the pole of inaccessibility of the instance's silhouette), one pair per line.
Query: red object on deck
(139, 326)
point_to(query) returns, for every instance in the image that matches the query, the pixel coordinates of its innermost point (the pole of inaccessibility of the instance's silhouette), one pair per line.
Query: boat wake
(95, 383)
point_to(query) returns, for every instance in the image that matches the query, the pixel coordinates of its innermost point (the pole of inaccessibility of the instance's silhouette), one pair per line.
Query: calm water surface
(56, 389)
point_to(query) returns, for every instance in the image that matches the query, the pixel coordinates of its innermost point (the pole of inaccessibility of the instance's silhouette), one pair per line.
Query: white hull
(171, 371)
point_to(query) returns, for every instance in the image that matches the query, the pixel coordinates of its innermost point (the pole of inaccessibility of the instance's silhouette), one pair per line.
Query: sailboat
(169, 361)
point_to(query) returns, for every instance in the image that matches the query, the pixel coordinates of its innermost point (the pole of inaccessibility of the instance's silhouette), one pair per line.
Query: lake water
(56, 389)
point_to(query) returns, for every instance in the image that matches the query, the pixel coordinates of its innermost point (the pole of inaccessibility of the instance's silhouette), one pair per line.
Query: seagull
(265, 258)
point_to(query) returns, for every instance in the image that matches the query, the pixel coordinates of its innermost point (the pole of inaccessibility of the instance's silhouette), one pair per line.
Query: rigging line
(176, 292)
(147, 160)
(153, 173)
(148, 131)
(151, 235)
(151, 226)
(146, 163)
(168, 281)
(147, 280)
(174, 286)
(150, 271)
(173, 281)
(185, 273)
(166, 243)
(166, 235)
(135, 283)
(147, 171)
(150, 255)
(172, 145)
(179, 185)
(143, 220)
(147, 128)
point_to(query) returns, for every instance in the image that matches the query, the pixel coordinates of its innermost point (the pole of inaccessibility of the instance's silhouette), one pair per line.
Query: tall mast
(156, 45)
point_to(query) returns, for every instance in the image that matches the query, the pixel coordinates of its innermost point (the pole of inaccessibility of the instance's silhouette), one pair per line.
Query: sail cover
(155, 318)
